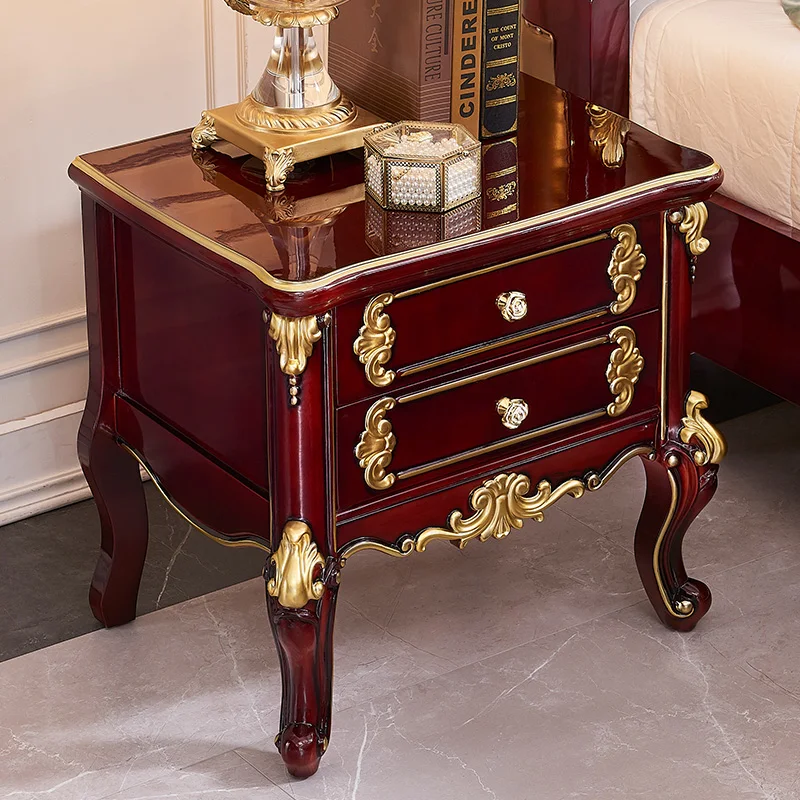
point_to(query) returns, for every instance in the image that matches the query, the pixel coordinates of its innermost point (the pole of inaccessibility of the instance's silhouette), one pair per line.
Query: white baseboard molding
(38, 458)
(39, 496)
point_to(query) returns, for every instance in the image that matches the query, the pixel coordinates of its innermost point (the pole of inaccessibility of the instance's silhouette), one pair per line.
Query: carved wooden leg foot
(304, 637)
(301, 749)
(678, 488)
(113, 476)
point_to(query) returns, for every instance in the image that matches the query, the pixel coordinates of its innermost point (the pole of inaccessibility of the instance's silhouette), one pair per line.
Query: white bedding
(723, 76)
(638, 7)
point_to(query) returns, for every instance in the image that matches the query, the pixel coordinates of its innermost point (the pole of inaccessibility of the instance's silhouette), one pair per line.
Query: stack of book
(431, 60)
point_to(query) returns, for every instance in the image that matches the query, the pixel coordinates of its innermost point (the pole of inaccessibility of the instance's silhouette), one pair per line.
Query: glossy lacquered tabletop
(221, 202)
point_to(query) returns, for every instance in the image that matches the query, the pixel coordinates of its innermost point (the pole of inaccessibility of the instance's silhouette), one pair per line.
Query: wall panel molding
(41, 360)
(43, 325)
(208, 24)
(20, 424)
(241, 57)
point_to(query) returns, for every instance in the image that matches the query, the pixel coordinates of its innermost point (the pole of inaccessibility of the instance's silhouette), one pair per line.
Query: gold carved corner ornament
(607, 131)
(375, 340)
(204, 134)
(625, 269)
(376, 446)
(500, 504)
(295, 564)
(294, 339)
(624, 367)
(691, 222)
(711, 445)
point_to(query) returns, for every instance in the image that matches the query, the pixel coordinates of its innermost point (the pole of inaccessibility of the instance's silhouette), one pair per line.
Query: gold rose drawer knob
(512, 412)
(513, 306)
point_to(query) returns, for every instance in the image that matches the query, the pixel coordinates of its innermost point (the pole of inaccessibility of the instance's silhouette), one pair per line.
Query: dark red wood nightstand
(289, 387)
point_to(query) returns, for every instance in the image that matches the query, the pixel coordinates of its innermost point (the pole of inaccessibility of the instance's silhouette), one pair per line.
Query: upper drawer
(396, 338)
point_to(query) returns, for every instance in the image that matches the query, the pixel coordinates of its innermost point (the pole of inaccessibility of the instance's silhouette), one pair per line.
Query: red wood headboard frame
(591, 46)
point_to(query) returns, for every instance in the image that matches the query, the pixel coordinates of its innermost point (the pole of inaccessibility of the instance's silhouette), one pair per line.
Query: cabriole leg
(301, 601)
(302, 573)
(113, 476)
(677, 491)
(681, 479)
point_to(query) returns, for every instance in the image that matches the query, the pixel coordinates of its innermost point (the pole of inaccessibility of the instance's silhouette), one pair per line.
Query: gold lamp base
(281, 149)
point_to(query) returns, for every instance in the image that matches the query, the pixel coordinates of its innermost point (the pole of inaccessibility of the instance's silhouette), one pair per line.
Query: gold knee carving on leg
(295, 563)
(711, 445)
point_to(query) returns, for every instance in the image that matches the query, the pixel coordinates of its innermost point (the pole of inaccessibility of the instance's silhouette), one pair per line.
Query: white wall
(79, 76)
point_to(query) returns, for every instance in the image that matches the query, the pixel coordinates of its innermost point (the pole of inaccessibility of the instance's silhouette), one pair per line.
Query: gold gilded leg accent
(625, 269)
(375, 340)
(711, 444)
(624, 368)
(295, 563)
(294, 340)
(691, 222)
(277, 165)
(376, 445)
(499, 505)
(204, 134)
(677, 608)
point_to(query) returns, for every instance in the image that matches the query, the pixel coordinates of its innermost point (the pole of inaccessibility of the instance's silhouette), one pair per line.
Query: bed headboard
(592, 40)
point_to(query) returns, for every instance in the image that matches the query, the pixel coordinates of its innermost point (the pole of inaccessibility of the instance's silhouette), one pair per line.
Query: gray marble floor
(46, 564)
(526, 669)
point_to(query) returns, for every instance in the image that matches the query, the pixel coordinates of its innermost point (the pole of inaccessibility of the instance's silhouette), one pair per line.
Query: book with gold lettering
(500, 182)
(394, 57)
(465, 98)
(500, 68)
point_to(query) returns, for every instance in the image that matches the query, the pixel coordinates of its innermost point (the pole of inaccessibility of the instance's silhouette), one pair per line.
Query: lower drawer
(581, 380)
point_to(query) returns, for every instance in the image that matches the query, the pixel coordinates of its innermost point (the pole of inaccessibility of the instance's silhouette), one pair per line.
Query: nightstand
(300, 373)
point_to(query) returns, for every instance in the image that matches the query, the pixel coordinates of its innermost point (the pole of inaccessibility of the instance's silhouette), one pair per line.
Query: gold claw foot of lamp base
(277, 165)
(281, 150)
(204, 134)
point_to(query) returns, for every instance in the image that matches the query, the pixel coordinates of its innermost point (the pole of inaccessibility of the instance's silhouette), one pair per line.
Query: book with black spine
(500, 68)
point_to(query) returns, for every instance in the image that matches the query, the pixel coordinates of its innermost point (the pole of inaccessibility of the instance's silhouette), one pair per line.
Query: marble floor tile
(613, 709)
(755, 512)
(118, 708)
(526, 669)
(227, 775)
(47, 564)
(540, 579)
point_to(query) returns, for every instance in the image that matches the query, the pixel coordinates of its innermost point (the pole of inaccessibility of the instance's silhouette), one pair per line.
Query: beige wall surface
(79, 76)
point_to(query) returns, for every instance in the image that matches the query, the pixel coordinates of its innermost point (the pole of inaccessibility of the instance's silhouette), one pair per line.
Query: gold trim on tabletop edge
(344, 273)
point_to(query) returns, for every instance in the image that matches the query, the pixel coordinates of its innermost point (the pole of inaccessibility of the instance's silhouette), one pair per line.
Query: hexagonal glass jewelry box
(422, 166)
